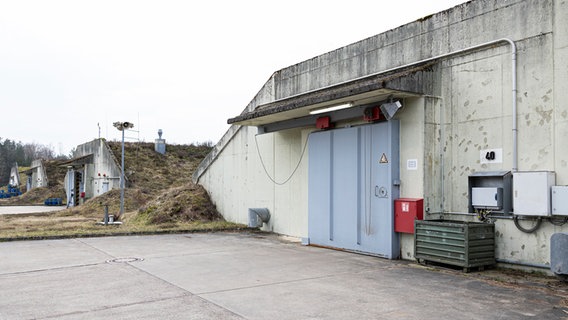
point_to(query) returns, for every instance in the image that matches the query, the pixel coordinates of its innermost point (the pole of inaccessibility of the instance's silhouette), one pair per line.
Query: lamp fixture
(123, 125)
(332, 108)
(389, 109)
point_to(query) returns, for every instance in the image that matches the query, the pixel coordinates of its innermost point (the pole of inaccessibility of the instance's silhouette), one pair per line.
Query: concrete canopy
(78, 161)
(360, 92)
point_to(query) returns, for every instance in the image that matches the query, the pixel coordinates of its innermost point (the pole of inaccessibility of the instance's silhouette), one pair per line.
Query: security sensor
(389, 109)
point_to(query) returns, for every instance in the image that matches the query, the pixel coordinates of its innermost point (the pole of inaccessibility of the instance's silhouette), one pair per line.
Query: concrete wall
(237, 179)
(103, 168)
(38, 175)
(14, 177)
(476, 89)
(466, 109)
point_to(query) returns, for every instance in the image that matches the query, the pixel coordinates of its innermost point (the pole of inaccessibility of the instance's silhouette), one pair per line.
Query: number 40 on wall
(491, 156)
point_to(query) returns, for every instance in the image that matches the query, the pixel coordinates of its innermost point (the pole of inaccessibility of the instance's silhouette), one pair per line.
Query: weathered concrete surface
(466, 111)
(28, 209)
(231, 276)
(101, 168)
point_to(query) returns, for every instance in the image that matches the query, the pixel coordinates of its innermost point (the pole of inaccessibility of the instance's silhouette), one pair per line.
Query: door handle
(381, 192)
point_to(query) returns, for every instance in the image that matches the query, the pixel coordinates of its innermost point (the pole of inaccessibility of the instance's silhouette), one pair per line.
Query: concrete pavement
(243, 276)
(29, 209)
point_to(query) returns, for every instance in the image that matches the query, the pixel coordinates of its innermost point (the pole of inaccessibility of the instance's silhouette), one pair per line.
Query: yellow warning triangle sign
(384, 159)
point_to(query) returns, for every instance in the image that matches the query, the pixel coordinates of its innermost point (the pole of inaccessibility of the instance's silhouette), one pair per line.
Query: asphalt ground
(245, 276)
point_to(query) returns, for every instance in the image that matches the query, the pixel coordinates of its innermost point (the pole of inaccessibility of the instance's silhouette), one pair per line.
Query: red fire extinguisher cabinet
(406, 210)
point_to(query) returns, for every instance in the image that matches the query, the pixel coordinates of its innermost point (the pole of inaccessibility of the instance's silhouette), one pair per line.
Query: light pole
(121, 126)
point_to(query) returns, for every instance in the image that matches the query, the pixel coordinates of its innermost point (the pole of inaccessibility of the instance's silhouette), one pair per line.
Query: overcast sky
(68, 67)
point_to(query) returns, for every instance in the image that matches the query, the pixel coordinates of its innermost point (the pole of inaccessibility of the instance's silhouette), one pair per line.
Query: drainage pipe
(524, 264)
(439, 57)
(514, 102)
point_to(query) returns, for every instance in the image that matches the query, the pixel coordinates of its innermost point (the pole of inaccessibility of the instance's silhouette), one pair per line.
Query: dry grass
(160, 198)
(186, 203)
(60, 224)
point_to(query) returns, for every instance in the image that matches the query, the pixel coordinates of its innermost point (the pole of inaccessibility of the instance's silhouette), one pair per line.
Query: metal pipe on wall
(442, 56)
(525, 264)
(514, 101)
(441, 149)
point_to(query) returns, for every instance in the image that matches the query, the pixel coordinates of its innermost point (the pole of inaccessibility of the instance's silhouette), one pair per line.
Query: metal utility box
(458, 243)
(484, 186)
(559, 253)
(406, 210)
(532, 192)
(560, 200)
(487, 198)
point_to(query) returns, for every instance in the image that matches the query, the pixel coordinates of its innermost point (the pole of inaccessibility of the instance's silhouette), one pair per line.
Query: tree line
(12, 152)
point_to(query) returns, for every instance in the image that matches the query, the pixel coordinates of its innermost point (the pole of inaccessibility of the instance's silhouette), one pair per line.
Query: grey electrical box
(532, 192)
(487, 198)
(491, 190)
(559, 253)
(560, 200)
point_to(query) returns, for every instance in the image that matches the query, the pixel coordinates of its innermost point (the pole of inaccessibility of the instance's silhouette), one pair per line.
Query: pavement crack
(120, 305)
(52, 269)
(95, 248)
(197, 254)
(266, 284)
(188, 293)
(65, 267)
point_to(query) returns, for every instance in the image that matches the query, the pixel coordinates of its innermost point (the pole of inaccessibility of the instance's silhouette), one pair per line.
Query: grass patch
(61, 224)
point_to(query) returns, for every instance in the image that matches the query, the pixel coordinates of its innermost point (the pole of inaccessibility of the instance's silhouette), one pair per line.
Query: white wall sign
(412, 164)
(491, 156)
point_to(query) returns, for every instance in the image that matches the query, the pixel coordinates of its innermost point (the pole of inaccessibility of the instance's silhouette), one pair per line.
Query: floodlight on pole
(122, 126)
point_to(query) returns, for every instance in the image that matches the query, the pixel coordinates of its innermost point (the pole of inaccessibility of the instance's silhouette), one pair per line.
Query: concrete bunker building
(14, 176)
(36, 175)
(428, 110)
(93, 171)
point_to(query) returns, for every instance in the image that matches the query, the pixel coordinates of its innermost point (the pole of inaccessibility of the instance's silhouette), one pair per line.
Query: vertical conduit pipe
(514, 92)
(441, 148)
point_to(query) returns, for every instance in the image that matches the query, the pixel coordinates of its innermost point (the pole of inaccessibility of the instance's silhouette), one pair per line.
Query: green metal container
(458, 243)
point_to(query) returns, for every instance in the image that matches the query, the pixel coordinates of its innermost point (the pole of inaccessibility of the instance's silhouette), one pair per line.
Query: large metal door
(353, 180)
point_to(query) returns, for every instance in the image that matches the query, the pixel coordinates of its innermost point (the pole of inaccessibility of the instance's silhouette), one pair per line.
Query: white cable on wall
(293, 172)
